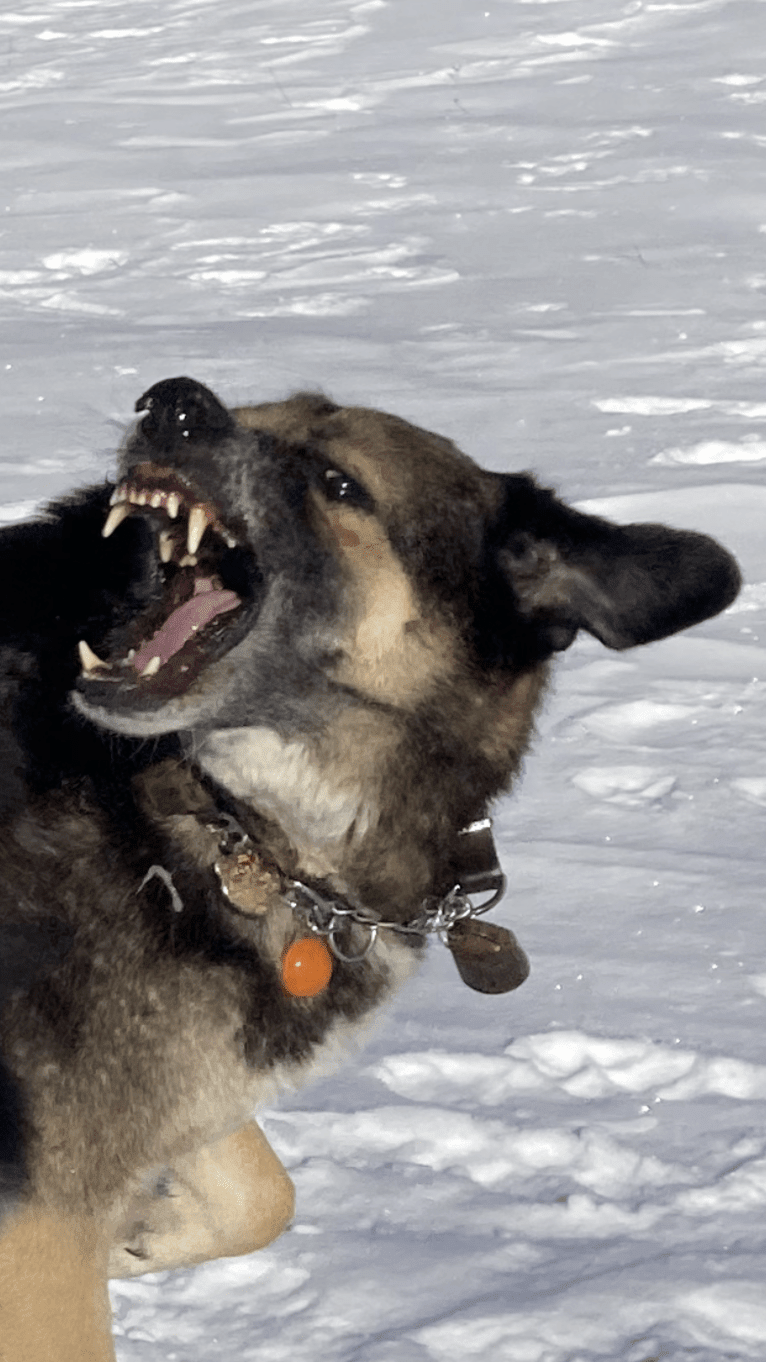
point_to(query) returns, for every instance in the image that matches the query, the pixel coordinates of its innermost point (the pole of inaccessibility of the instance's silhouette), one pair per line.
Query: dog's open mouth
(206, 581)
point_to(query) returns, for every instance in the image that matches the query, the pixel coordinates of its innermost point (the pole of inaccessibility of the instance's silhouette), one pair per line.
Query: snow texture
(537, 227)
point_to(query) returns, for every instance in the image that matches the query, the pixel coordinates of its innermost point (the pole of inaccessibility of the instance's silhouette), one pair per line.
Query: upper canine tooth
(88, 659)
(173, 506)
(115, 517)
(198, 523)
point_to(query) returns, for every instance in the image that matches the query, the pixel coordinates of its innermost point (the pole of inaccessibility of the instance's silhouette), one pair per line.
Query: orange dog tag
(306, 967)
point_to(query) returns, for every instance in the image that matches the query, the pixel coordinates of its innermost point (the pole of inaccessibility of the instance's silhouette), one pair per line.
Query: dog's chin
(141, 716)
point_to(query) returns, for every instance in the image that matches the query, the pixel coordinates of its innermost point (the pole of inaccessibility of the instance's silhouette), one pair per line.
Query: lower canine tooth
(198, 523)
(115, 517)
(152, 667)
(89, 661)
(166, 547)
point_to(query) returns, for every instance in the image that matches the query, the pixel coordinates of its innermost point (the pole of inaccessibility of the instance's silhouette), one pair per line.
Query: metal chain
(328, 917)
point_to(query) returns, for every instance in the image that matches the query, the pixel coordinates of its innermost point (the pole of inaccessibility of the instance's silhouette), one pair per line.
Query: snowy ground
(539, 228)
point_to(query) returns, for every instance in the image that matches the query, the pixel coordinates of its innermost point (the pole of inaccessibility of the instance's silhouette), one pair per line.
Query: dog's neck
(282, 781)
(257, 873)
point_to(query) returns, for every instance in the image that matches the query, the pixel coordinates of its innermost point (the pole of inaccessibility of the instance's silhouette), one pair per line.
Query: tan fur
(390, 650)
(399, 462)
(224, 1200)
(500, 722)
(54, 1305)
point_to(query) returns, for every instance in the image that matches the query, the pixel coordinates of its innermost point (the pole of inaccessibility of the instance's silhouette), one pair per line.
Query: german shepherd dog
(252, 695)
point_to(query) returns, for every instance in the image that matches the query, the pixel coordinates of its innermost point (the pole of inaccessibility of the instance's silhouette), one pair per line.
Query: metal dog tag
(488, 957)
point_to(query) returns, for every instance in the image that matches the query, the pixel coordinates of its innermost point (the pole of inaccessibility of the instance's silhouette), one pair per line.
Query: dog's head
(331, 588)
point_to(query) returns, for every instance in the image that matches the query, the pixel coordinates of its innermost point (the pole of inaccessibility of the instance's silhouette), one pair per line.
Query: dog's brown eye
(339, 486)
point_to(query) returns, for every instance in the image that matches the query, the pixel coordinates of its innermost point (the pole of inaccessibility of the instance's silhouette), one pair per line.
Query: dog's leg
(229, 1198)
(54, 1302)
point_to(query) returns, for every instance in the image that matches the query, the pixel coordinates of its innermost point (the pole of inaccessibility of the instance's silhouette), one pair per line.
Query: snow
(536, 226)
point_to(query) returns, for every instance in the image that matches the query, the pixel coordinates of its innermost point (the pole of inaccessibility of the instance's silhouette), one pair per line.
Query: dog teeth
(227, 538)
(89, 661)
(188, 560)
(152, 667)
(125, 497)
(198, 523)
(115, 517)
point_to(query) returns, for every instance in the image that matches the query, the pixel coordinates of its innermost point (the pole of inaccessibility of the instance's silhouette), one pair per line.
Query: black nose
(181, 410)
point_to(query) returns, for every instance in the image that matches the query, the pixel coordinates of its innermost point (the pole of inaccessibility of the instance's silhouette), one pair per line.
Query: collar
(327, 913)
(488, 957)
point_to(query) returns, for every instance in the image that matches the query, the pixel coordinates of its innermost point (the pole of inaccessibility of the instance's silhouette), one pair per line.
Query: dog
(256, 699)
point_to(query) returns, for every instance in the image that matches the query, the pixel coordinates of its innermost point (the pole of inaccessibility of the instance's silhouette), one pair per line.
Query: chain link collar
(329, 915)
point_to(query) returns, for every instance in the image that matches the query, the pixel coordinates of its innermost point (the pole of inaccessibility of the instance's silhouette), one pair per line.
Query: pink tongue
(178, 628)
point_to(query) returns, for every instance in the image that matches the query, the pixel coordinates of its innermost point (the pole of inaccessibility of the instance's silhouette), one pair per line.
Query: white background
(537, 227)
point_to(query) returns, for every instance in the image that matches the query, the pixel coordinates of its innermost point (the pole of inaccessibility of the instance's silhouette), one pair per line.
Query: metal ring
(493, 899)
(353, 959)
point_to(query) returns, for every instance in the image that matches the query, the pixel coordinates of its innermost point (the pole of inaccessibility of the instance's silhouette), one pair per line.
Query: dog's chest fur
(317, 808)
(189, 996)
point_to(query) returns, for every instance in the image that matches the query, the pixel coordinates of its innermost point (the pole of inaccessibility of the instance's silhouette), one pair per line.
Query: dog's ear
(625, 584)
